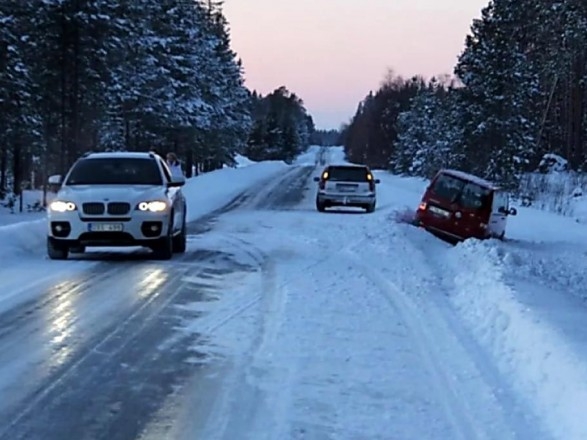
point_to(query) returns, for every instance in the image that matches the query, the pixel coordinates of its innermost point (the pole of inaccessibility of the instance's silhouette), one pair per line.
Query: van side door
(499, 213)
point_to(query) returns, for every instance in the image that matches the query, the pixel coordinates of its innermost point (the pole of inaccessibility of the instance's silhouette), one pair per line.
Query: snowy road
(278, 323)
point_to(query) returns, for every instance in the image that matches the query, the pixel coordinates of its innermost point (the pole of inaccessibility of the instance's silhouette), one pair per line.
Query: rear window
(466, 194)
(348, 174)
(108, 171)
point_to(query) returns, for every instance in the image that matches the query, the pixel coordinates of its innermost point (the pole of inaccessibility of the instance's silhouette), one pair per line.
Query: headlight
(61, 206)
(155, 206)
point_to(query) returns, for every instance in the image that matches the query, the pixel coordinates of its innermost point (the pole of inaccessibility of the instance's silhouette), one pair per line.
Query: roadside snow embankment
(542, 365)
(22, 237)
(211, 191)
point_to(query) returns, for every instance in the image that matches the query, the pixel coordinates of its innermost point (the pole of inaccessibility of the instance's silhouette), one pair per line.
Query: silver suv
(117, 199)
(346, 185)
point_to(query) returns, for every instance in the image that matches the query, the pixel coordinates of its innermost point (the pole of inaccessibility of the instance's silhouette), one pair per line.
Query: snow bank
(308, 157)
(563, 193)
(242, 161)
(208, 192)
(22, 238)
(336, 156)
(542, 365)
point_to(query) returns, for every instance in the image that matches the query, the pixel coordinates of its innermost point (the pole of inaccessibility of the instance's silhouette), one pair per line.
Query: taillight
(422, 206)
(371, 182)
(323, 180)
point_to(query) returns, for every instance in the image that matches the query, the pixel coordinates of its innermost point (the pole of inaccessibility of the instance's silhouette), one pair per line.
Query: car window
(466, 194)
(166, 170)
(500, 200)
(348, 174)
(119, 171)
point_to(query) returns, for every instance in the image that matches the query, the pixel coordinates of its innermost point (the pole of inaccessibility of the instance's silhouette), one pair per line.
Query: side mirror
(377, 181)
(55, 179)
(316, 179)
(513, 211)
(176, 181)
(502, 210)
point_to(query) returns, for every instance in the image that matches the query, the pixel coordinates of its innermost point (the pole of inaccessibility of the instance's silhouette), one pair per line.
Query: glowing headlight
(60, 206)
(156, 206)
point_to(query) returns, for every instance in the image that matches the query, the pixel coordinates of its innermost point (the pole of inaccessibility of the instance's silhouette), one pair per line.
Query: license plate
(344, 188)
(105, 227)
(438, 211)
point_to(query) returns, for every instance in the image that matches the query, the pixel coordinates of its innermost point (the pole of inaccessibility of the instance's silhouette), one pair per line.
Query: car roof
(119, 155)
(347, 165)
(470, 177)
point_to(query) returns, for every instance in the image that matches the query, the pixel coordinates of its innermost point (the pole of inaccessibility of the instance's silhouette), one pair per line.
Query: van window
(348, 174)
(500, 200)
(467, 194)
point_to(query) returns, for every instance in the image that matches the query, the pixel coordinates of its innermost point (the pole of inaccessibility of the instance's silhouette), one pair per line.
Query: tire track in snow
(455, 408)
(422, 282)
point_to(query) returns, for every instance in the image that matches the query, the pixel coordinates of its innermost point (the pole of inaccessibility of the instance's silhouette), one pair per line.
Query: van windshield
(466, 194)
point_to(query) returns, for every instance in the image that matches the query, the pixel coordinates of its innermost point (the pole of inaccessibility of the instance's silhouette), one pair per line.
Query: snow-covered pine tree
(499, 96)
(20, 124)
(429, 134)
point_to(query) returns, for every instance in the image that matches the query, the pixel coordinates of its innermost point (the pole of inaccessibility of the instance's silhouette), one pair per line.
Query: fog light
(154, 228)
(59, 228)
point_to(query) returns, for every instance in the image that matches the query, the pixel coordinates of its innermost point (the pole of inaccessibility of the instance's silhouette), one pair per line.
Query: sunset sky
(332, 52)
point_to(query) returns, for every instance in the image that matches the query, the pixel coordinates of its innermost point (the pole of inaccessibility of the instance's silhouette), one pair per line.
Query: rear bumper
(338, 199)
(449, 231)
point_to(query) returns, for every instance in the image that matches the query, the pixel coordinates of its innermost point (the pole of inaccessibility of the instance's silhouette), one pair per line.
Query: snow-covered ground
(345, 325)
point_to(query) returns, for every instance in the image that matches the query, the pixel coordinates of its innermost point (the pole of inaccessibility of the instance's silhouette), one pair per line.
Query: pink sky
(331, 53)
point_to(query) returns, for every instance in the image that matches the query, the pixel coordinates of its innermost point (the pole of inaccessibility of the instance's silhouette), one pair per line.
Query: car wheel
(164, 248)
(179, 241)
(320, 206)
(370, 208)
(56, 252)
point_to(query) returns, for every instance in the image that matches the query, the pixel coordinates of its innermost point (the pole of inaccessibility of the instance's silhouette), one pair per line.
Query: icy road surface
(278, 323)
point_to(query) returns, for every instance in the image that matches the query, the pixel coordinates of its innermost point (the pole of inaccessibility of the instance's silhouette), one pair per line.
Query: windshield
(466, 194)
(348, 174)
(119, 171)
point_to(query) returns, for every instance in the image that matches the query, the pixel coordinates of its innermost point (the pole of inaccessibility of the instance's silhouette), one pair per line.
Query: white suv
(346, 185)
(117, 199)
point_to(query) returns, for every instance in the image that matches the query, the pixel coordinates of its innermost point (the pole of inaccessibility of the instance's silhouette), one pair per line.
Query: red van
(459, 205)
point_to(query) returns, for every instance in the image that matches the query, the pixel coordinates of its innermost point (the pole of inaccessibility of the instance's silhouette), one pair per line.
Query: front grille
(93, 208)
(118, 208)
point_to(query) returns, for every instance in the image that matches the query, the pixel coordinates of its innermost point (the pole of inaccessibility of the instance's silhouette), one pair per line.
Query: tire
(56, 252)
(179, 241)
(370, 208)
(164, 248)
(320, 206)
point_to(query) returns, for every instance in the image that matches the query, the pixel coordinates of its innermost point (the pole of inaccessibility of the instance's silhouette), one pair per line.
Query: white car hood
(111, 193)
